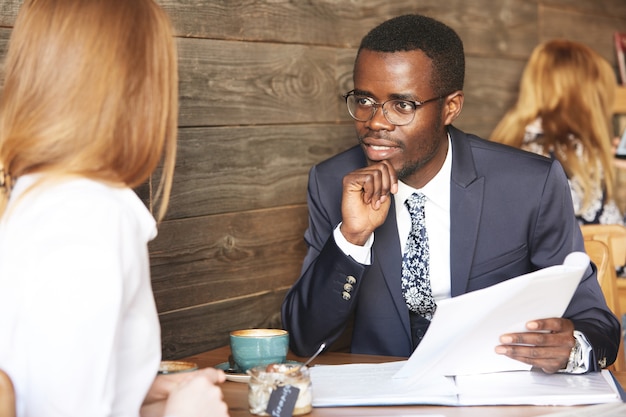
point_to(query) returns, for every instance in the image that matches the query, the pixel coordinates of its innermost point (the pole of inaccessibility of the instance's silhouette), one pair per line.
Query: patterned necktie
(415, 263)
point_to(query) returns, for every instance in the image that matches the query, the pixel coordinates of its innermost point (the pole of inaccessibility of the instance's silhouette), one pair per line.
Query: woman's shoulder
(76, 200)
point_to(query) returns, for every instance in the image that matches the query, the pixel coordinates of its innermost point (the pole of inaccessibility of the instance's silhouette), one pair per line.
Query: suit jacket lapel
(386, 253)
(466, 202)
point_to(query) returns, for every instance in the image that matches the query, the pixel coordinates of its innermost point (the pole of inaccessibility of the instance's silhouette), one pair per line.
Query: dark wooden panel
(190, 331)
(343, 23)
(491, 87)
(491, 28)
(318, 22)
(206, 259)
(4, 43)
(345, 65)
(5, 34)
(243, 168)
(8, 11)
(616, 8)
(245, 83)
(593, 30)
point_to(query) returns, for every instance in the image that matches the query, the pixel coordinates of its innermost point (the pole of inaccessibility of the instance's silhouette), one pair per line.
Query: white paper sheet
(465, 330)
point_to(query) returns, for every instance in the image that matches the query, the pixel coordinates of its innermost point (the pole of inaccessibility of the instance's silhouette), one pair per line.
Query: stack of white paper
(372, 384)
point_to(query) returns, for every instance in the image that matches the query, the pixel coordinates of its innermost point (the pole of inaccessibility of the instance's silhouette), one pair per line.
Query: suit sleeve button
(351, 280)
(346, 295)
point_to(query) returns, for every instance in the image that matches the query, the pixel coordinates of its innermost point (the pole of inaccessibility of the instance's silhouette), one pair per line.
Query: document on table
(455, 364)
(372, 384)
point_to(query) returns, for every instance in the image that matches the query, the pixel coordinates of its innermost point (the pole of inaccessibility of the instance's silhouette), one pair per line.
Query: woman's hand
(186, 394)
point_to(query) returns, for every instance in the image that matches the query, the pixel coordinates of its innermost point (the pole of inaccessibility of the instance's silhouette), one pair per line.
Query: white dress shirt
(79, 329)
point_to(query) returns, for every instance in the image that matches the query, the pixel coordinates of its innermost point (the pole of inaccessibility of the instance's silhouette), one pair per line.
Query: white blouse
(79, 330)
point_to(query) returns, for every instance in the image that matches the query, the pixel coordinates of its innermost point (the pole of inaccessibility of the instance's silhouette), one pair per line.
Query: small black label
(282, 401)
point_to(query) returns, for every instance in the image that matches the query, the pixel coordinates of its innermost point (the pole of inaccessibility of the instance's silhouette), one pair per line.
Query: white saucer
(231, 376)
(237, 376)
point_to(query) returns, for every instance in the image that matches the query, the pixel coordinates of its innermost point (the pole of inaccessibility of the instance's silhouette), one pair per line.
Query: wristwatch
(575, 363)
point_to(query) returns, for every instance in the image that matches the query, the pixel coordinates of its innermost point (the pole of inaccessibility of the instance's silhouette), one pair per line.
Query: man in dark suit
(491, 213)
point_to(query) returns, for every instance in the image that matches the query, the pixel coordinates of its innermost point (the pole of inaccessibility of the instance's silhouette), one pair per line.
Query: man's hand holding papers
(465, 330)
(543, 346)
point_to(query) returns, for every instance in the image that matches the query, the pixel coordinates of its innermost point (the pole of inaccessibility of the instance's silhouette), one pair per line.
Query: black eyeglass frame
(375, 106)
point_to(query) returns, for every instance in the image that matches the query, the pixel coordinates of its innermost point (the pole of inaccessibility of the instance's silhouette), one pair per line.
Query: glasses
(397, 112)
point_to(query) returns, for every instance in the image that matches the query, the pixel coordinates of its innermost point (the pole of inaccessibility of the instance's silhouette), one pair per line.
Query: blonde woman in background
(89, 109)
(564, 111)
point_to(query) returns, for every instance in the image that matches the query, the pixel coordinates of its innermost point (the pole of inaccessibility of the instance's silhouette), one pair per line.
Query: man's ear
(452, 106)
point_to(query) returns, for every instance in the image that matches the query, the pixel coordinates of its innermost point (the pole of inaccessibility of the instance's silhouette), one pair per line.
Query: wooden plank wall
(260, 85)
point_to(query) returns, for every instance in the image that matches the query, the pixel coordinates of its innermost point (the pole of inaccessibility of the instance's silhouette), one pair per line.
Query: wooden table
(236, 393)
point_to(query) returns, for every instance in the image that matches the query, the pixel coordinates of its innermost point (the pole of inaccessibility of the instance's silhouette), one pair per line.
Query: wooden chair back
(7, 396)
(600, 255)
(614, 235)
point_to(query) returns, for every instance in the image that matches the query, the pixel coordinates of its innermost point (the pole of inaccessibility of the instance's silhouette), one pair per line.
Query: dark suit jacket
(510, 213)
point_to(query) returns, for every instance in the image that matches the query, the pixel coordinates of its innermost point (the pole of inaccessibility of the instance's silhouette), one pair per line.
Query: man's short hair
(438, 41)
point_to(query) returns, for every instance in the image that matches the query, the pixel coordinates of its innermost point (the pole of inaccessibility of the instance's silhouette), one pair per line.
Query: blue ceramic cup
(258, 347)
